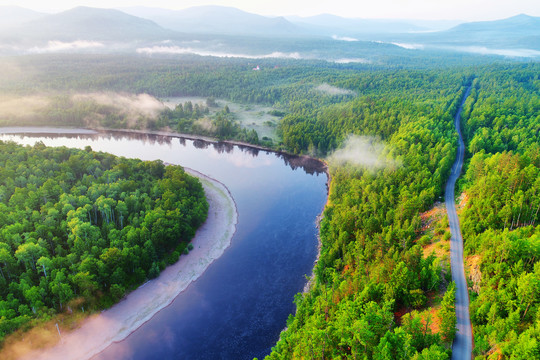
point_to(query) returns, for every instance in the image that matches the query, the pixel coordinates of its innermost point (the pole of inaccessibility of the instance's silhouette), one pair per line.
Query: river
(238, 307)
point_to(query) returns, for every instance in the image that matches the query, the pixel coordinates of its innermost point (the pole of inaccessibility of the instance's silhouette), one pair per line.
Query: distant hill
(15, 15)
(217, 20)
(85, 23)
(332, 24)
(224, 31)
(521, 31)
(519, 24)
(517, 36)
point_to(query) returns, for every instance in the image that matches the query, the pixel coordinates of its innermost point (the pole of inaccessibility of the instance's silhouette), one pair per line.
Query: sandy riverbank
(115, 324)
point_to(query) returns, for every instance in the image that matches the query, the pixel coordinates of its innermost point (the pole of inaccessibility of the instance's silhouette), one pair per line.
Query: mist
(352, 60)
(409, 46)
(59, 46)
(189, 50)
(362, 151)
(130, 105)
(135, 109)
(333, 90)
(482, 50)
(344, 38)
(24, 106)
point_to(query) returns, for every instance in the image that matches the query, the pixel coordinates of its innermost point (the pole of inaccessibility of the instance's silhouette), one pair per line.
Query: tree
(61, 289)
(45, 263)
(28, 253)
(447, 314)
(394, 346)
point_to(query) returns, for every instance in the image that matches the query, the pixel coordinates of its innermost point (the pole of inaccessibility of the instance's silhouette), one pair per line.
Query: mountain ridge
(213, 19)
(14, 15)
(87, 23)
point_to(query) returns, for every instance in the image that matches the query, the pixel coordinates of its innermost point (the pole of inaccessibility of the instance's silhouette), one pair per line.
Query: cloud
(343, 38)
(352, 60)
(133, 108)
(409, 46)
(25, 106)
(188, 50)
(333, 90)
(527, 53)
(56, 46)
(361, 151)
(140, 104)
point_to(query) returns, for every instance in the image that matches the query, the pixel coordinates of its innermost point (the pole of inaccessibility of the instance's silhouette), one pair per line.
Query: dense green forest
(501, 220)
(376, 293)
(371, 265)
(80, 228)
(372, 281)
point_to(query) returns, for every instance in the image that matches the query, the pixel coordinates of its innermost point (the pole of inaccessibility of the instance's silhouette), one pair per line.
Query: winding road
(462, 346)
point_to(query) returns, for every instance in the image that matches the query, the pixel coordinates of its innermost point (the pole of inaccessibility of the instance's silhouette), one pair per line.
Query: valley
(338, 139)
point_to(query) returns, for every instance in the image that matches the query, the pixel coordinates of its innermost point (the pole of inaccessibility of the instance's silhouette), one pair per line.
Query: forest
(371, 265)
(79, 229)
(376, 292)
(373, 286)
(501, 220)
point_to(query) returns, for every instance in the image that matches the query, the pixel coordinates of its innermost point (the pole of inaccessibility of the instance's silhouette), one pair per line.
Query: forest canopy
(377, 293)
(79, 228)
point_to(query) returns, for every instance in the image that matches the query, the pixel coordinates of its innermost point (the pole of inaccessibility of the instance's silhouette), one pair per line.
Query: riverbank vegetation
(359, 266)
(373, 286)
(78, 228)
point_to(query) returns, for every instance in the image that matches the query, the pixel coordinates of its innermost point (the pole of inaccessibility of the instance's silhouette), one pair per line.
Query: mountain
(328, 24)
(516, 25)
(92, 24)
(520, 31)
(516, 37)
(16, 15)
(217, 20)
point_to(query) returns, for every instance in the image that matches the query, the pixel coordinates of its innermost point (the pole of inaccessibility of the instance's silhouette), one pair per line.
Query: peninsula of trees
(78, 228)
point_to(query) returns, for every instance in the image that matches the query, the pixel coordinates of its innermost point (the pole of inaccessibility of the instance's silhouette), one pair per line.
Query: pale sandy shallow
(116, 323)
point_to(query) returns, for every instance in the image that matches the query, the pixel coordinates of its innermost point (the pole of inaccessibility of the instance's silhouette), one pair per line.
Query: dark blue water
(238, 307)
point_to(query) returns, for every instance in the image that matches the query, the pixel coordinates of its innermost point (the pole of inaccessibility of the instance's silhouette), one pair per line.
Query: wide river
(238, 307)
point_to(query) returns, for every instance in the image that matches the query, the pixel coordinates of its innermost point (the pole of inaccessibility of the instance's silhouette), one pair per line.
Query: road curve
(462, 346)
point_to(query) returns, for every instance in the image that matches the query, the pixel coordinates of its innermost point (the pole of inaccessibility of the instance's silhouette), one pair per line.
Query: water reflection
(309, 165)
(238, 307)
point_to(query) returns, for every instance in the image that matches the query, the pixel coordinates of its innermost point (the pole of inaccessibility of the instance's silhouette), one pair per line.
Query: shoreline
(12, 130)
(211, 240)
(84, 131)
(311, 280)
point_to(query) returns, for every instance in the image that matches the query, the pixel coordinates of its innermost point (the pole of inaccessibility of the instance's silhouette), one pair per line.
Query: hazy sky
(416, 9)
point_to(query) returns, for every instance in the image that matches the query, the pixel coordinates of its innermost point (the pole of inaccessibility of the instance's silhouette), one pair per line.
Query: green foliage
(85, 226)
(448, 314)
(500, 220)
(503, 192)
(370, 269)
(369, 266)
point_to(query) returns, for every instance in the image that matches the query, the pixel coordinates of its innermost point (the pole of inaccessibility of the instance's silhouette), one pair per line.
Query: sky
(470, 10)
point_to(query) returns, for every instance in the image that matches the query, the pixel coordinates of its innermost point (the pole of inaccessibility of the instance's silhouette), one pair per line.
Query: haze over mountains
(217, 20)
(84, 23)
(214, 30)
